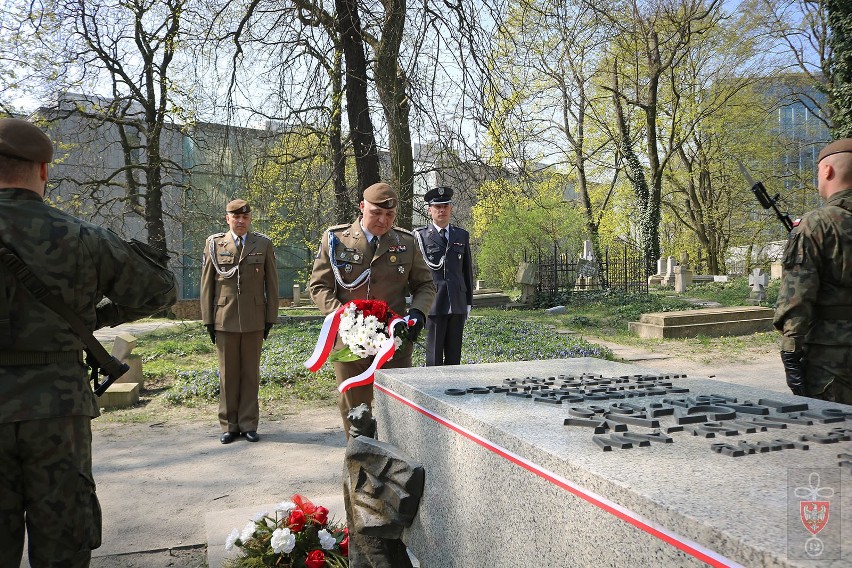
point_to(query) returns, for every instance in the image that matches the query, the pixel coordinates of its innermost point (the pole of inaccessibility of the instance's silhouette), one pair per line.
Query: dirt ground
(157, 479)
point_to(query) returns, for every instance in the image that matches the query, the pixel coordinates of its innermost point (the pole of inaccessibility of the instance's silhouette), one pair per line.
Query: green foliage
(840, 66)
(734, 292)
(511, 218)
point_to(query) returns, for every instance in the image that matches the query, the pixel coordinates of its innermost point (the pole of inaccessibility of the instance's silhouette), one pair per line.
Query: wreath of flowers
(296, 533)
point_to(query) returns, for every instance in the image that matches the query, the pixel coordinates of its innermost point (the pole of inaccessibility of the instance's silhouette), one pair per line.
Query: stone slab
(507, 484)
(119, 395)
(712, 322)
(134, 374)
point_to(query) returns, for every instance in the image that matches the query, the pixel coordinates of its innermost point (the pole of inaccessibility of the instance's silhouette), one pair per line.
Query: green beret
(382, 195)
(23, 140)
(836, 147)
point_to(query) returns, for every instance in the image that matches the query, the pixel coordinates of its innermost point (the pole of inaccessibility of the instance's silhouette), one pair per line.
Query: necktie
(240, 247)
(374, 243)
(444, 235)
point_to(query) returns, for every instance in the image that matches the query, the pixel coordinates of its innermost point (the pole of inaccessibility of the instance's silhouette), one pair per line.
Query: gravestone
(776, 271)
(527, 277)
(656, 279)
(758, 281)
(297, 295)
(668, 278)
(683, 274)
(585, 462)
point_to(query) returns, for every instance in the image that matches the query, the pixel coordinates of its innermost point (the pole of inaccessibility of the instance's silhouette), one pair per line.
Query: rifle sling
(40, 292)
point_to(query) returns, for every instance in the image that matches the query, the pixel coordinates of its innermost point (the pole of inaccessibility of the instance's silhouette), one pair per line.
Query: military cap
(381, 195)
(439, 195)
(238, 206)
(24, 140)
(836, 147)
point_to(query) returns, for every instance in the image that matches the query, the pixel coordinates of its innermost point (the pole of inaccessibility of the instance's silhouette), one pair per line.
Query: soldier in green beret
(46, 401)
(239, 305)
(814, 308)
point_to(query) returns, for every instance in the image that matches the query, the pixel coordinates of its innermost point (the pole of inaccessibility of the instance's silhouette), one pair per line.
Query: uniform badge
(356, 257)
(342, 254)
(402, 270)
(346, 233)
(348, 268)
(460, 257)
(393, 258)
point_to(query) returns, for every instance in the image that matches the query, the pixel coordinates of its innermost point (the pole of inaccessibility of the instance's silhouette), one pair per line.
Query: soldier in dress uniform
(347, 268)
(446, 249)
(46, 401)
(239, 305)
(814, 308)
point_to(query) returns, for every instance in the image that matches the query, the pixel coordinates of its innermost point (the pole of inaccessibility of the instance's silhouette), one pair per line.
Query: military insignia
(348, 268)
(342, 254)
(440, 191)
(401, 248)
(402, 270)
(460, 257)
(346, 233)
(356, 257)
(393, 258)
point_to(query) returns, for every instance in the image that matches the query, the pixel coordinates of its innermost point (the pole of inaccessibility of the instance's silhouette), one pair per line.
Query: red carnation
(321, 516)
(297, 519)
(344, 546)
(316, 559)
(304, 504)
(376, 308)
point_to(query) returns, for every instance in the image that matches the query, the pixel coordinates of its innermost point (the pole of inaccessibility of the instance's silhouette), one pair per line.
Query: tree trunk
(391, 85)
(357, 104)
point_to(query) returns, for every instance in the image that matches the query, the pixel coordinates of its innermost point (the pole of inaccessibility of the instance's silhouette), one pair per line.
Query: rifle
(765, 200)
(97, 357)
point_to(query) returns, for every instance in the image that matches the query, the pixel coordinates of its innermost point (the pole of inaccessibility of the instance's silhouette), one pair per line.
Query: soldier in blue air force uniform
(446, 249)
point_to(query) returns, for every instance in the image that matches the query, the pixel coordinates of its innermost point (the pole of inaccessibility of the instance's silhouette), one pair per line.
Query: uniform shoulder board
(215, 236)
(340, 227)
(401, 230)
(261, 235)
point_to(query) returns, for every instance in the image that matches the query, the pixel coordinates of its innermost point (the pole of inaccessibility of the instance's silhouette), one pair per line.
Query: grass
(180, 364)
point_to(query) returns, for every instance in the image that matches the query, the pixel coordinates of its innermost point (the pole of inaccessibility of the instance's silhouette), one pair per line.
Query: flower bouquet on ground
(296, 534)
(367, 328)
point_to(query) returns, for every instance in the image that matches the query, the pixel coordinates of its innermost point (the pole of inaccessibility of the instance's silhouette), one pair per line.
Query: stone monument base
(584, 462)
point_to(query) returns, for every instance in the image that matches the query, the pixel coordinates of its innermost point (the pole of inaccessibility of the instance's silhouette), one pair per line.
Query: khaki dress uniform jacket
(396, 270)
(239, 296)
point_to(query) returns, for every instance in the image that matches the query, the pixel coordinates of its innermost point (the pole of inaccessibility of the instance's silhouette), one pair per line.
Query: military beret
(382, 195)
(836, 147)
(24, 140)
(238, 206)
(439, 195)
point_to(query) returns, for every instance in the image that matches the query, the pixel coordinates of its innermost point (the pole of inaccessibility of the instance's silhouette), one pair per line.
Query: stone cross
(758, 281)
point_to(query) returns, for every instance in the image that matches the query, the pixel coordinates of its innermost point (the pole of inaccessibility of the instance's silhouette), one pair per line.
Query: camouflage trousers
(828, 372)
(47, 484)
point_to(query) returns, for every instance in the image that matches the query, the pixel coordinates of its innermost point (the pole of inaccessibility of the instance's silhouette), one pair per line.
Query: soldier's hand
(266, 330)
(211, 329)
(419, 320)
(793, 369)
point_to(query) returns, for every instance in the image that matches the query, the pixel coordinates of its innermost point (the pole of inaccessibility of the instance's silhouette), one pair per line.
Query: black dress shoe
(251, 436)
(228, 437)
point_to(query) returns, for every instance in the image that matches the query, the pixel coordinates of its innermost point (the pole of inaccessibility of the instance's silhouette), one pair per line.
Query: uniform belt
(14, 358)
(834, 312)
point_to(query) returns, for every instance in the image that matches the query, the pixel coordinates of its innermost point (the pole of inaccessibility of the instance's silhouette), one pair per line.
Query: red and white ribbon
(325, 342)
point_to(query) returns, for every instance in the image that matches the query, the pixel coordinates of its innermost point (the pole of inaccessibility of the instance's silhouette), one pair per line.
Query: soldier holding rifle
(814, 309)
(46, 402)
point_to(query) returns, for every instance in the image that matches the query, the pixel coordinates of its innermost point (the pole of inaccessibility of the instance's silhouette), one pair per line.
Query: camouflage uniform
(814, 309)
(46, 401)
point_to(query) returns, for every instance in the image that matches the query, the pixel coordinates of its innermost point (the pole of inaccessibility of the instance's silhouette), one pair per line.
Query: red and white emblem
(814, 515)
